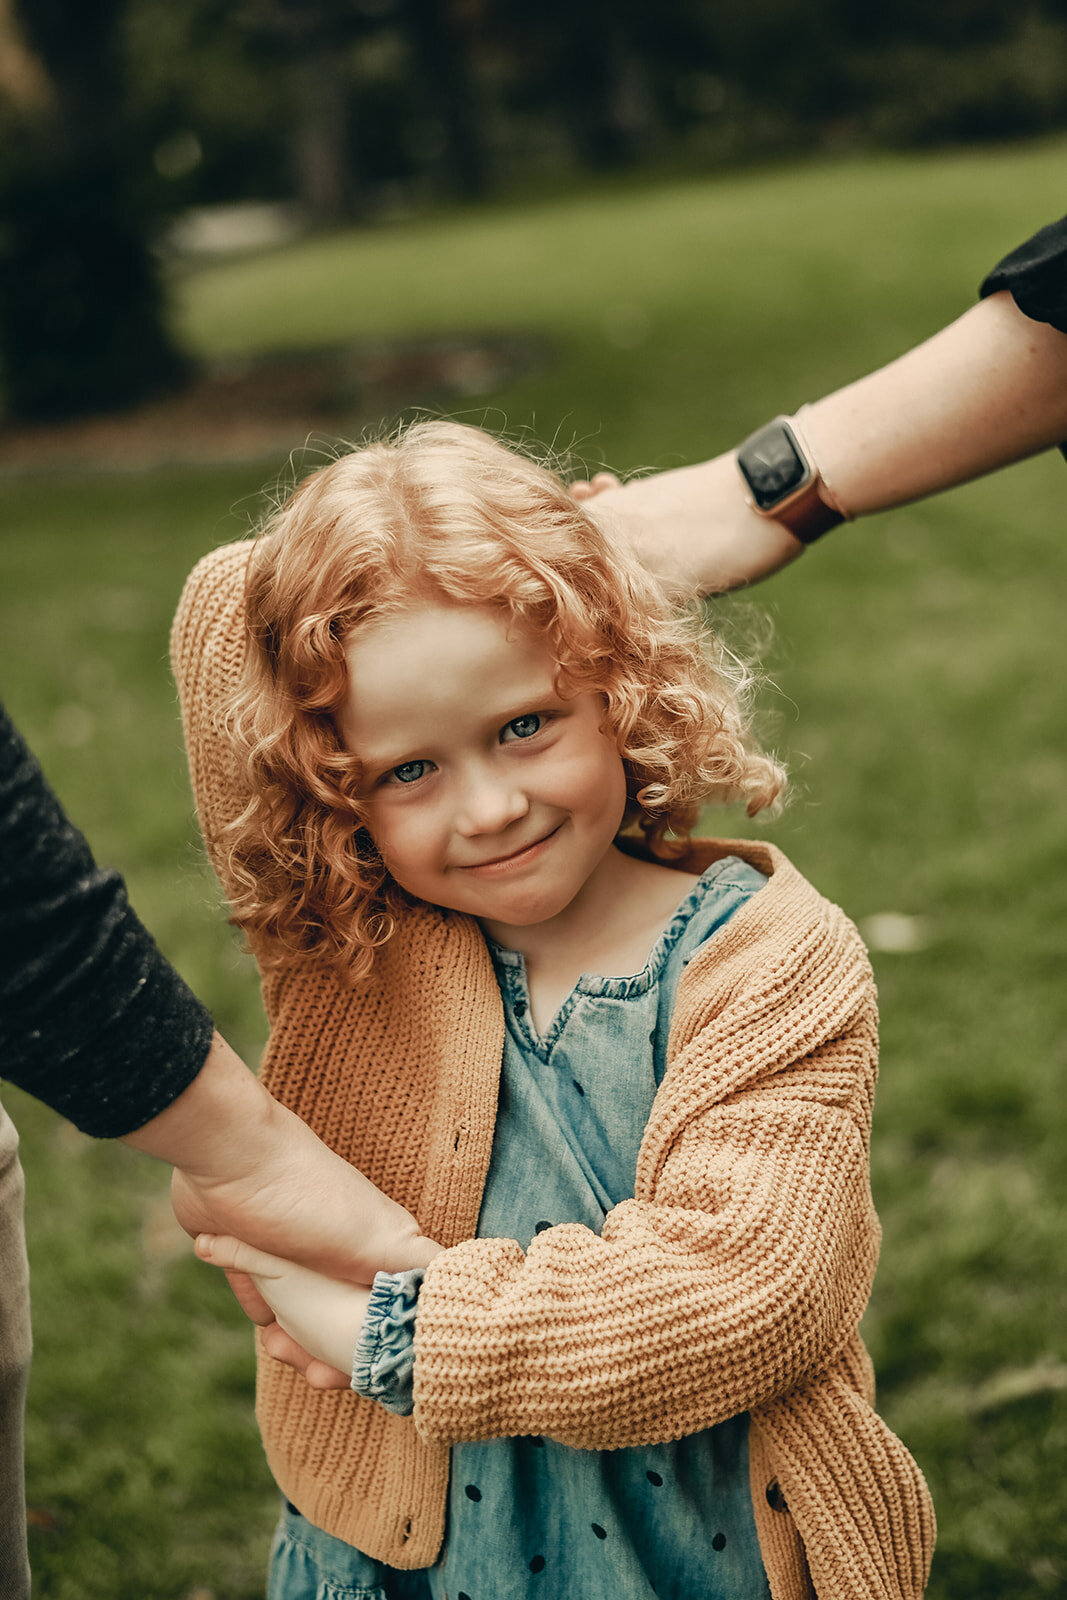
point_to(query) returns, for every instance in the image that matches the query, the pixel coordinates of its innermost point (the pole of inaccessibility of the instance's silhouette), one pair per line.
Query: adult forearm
(197, 1130)
(989, 389)
(246, 1165)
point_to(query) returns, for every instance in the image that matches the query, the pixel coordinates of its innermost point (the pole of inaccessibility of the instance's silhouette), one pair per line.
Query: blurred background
(231, 234)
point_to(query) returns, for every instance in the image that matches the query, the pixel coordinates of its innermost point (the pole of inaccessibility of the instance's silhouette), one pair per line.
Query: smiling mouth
(517, 858)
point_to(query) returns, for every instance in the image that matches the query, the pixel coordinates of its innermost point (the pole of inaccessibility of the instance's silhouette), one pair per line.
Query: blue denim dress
(528, 1516)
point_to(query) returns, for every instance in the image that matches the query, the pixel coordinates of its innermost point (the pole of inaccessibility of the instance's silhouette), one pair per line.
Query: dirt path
(248, 409)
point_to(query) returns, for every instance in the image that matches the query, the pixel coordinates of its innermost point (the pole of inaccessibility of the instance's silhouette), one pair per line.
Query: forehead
(438, 668)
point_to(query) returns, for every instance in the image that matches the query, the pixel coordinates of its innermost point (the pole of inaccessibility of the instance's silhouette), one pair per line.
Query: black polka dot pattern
(651, 1525)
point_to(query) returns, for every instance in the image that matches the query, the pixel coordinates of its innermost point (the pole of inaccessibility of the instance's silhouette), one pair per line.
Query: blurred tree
(211, 103)
(901, 72)
(439, 32)
(81, 312)
(589, 63)
(315, 39)
(323, 43)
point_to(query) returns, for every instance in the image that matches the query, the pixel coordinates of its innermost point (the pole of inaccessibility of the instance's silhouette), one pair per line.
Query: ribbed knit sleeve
(93, 1018)
(745, 1260)
(207, 646)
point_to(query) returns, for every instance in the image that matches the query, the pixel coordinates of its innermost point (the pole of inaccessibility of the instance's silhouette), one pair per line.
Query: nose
(489, 801)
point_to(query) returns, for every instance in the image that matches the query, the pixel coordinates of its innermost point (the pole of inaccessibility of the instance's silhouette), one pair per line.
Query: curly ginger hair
(444, 513)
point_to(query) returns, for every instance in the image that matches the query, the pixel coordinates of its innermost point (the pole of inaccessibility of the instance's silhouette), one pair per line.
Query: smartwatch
(784, 483)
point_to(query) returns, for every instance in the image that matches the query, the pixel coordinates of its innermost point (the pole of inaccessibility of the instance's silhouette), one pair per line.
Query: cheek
(404, 845)
(615, 786)
(600, 782)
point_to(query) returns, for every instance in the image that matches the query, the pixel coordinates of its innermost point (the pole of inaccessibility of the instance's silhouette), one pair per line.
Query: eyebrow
(540, 695)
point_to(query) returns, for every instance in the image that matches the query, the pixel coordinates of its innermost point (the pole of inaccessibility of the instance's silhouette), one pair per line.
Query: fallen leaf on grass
(895, 933)
(40, 1517)
(1021, 1383)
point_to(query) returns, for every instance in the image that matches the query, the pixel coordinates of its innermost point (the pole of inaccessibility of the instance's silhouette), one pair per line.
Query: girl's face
(486, 791)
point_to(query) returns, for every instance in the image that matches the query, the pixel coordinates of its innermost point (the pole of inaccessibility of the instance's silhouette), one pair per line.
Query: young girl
(447, 749)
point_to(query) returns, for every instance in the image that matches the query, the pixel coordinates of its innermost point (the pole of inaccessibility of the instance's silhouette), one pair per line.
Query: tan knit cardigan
(734, 1280)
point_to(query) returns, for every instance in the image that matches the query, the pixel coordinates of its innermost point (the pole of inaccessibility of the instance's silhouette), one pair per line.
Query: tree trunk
(327, 184)
(441, 50)
(81, 309)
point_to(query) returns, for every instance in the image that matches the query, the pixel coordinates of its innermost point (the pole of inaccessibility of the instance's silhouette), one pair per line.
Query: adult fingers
(280, 1346)
(589, 488)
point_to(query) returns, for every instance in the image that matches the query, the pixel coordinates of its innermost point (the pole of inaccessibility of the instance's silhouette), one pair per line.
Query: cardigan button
(775, 1497)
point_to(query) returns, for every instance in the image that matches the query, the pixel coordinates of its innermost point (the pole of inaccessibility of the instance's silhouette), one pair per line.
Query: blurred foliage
(463, 96)
(357, 108)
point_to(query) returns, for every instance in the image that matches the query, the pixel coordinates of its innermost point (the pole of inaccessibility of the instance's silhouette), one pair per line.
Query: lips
(517, 858)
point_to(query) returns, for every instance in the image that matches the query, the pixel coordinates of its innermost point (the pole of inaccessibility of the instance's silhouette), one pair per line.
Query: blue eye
(409, 771)
(525, 727)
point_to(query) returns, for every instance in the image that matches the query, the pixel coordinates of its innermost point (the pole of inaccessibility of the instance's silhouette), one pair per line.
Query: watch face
(772, 465)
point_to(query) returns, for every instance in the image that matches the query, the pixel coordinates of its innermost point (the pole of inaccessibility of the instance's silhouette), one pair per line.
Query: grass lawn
(917, 692)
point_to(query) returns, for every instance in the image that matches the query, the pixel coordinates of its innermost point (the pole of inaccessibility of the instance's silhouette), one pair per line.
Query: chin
(526, 913)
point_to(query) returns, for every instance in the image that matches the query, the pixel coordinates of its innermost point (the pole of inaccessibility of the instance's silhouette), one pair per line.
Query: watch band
(795, 494)
(808, 515)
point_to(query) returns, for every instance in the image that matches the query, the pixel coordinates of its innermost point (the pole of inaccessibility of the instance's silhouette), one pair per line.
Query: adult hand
(299, 1197)
(287, 1192)
(691, 526)
(247, 1166)
(989, 389)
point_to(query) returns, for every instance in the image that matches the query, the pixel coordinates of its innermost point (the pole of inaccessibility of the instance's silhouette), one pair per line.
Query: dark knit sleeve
(1036, 276)
(93, 1019)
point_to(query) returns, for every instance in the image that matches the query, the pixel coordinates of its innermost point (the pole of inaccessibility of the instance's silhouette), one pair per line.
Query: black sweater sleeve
(1036, 276)
(93, 1018)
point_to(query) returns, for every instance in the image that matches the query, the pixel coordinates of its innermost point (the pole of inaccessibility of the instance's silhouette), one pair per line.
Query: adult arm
(988, 390)
(93, 1019)
(96, 1022)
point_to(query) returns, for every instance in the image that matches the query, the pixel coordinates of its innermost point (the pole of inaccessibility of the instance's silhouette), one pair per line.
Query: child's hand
(317, 1318)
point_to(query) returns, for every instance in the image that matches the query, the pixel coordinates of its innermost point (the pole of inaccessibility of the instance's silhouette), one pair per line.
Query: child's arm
(745, 1261)
(744, 1264)
(322, 1315)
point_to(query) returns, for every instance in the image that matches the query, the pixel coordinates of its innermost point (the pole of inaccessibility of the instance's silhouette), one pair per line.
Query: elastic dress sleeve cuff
(383, 1367)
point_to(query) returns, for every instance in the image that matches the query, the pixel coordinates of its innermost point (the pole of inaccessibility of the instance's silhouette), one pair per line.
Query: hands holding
(307, 1201)
(245, 1165)
(315, 1319)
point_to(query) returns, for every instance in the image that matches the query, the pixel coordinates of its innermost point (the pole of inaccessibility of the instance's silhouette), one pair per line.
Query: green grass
(917, 667)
